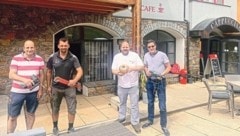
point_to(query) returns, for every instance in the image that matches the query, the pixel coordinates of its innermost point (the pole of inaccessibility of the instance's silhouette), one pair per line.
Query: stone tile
(99, 102)
(91, 115)
(110, 113)
(144, 132)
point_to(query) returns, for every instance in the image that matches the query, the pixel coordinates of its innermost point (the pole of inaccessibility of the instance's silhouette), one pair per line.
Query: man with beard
(63, 64)
(127, 65)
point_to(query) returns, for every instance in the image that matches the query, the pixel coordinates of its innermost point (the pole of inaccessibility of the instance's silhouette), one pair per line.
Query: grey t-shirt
(155, 63)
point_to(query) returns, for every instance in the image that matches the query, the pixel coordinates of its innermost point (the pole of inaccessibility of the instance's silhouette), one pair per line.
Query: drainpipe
(187, 42)
(187, 36)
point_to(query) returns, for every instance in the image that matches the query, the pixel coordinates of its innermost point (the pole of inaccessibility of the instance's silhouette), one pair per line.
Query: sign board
(212, 66)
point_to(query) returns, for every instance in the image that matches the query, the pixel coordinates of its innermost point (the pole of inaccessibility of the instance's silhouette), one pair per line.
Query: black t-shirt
(64, 68)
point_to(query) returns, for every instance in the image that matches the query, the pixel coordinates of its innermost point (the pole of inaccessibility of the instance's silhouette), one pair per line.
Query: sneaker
(137, 128)
(71, 130)
(55, 131)
(121, 120)
(149, 123)
(165, 131)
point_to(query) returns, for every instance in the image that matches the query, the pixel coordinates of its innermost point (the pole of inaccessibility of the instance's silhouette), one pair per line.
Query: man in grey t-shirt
(157, 65)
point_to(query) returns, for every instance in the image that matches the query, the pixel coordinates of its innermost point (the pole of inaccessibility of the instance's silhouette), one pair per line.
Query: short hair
(151, 41)
(63, 39)
(121, 42)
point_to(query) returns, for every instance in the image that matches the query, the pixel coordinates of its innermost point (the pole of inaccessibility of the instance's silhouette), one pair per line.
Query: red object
(201, 55)
(212, 56)
(183, 76)
(65, 82)
(175, 68)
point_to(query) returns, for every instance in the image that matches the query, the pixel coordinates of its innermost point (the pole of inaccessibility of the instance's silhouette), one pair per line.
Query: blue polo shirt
(64, 68)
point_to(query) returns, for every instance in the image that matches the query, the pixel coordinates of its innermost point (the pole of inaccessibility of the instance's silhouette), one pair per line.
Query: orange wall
(238, 11)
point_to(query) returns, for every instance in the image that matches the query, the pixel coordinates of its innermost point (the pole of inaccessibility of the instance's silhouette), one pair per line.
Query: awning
(91, 6)
(218, 26)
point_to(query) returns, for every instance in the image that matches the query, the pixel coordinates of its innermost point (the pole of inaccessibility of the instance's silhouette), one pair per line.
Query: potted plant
(142, 87)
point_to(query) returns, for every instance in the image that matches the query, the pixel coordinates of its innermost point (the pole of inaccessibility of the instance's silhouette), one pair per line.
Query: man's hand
(49, 91)
(40, 94)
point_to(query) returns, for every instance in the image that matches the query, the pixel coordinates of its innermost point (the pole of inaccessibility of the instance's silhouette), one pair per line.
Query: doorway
(93, 48)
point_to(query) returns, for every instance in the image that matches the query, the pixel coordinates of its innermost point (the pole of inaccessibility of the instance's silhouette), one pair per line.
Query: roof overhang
(218, 26)
(88, 6)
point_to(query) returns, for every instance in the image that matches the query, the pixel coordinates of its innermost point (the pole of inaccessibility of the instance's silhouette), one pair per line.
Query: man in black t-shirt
(63, 64)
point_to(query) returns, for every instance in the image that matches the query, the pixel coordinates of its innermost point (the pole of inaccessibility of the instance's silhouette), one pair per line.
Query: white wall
(159, 9)
(200, 11)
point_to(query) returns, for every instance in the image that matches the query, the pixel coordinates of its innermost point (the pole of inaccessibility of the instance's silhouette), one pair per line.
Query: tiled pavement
(188, 115)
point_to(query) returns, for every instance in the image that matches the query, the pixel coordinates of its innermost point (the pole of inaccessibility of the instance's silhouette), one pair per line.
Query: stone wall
(194, 56)
(19, 23)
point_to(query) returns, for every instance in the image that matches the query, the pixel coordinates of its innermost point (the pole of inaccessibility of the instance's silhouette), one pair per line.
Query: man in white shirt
(127, 65)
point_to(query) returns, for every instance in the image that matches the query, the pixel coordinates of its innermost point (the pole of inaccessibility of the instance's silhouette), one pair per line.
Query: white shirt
(129, 79)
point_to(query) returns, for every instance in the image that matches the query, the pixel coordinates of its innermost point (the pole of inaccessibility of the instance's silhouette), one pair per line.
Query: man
(157, 65)
(27, 73)
(126, 65)
(63, 64)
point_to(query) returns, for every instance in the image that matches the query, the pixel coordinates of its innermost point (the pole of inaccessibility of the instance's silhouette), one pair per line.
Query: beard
(63, 51)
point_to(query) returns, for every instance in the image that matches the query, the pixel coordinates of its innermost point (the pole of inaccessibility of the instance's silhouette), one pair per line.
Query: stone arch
(175, 29)
(105, 23)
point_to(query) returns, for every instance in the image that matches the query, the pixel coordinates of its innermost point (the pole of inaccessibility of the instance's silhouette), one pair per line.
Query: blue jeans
(159, 87)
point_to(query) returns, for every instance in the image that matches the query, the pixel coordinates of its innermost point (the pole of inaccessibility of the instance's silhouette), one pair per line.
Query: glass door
(230, 57)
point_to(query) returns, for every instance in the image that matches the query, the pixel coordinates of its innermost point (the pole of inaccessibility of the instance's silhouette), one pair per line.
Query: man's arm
(41, 79)
(167, 69)
(49, 80)
(78, 76)
(13, 75)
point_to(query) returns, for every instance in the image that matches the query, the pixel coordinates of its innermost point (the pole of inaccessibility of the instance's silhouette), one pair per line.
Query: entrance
(227, 51)
(94, 49)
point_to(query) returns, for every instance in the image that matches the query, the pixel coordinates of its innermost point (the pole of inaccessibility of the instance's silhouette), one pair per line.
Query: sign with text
(213, 66)
(159, 9)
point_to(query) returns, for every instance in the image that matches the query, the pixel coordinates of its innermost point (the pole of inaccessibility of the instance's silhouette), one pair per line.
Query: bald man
(27, 74)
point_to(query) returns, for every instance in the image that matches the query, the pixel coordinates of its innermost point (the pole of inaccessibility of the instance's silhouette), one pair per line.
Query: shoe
(137, 128)
(55, 131)
(71, 130)
(165, 131)
(149, 123)
(121, 120)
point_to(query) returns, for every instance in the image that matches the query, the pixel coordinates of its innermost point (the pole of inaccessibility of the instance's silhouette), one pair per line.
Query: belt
(157, 79)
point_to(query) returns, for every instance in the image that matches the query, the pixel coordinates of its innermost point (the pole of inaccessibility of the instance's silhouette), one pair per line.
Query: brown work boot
(137, 128)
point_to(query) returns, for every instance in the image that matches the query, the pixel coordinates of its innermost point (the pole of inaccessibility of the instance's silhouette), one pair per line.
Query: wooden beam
(78, 5)
(122, 2)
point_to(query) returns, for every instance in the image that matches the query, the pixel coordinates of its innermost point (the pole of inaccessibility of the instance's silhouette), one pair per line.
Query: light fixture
(129, 7)
(235, 49)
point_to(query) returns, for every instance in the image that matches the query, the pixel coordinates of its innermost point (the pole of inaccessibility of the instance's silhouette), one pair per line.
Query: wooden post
(136, 26)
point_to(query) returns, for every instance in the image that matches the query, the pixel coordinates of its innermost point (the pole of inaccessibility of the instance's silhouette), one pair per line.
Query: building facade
(94, 37)
(216, 28)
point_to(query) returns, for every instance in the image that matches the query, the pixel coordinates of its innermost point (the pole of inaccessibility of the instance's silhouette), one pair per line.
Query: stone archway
(177, 30)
